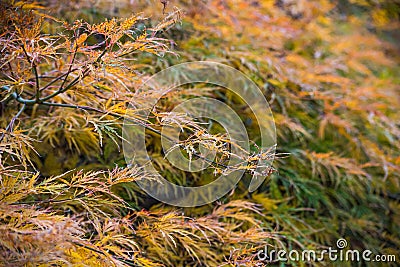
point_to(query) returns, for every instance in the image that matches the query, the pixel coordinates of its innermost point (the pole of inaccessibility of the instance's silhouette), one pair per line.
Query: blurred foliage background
(329, 69)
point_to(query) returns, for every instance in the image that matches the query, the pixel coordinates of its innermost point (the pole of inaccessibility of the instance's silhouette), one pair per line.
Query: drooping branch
(138, 122)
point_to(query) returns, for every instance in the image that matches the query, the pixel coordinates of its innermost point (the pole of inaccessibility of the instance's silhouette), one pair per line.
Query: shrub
(67, 80)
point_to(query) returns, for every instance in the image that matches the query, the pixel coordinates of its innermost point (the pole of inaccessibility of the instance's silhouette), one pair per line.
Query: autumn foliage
(329, 70)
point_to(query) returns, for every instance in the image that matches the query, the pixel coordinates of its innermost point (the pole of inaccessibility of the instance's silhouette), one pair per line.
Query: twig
(56, 78)
(34, 68)
(70, 67)
(75, 81)
(11, 124)
(11, 69)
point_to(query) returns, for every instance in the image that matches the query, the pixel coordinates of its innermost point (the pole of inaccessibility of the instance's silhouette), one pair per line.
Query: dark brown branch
(70, 67)
(75, 81)
(10, 126)
(34, 68)
(56, 78)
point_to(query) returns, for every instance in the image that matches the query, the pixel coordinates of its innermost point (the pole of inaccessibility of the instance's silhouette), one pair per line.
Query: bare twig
(75, 81)
(34, 68)
(70, 67)
(57, 78)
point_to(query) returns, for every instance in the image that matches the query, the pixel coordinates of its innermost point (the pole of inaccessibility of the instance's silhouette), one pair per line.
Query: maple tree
(329, 70)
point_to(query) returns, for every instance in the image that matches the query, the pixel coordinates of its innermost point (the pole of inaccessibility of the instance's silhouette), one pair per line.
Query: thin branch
(75, 81)
(11, 69)
(71, 84)
(34, 68)
(11, 124)
(70, 66)
(57, 78)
